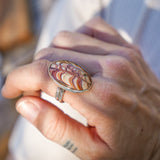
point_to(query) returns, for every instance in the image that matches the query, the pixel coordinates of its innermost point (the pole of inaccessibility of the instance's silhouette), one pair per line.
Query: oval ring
(69, 76)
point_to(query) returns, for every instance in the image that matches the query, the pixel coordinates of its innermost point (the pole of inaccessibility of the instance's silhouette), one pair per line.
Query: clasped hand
(121, 108)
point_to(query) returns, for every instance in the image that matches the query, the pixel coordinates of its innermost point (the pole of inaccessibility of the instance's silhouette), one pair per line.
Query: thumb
(60, 128)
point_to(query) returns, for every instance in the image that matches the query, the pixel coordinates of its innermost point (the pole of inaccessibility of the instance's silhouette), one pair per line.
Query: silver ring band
(59, 94)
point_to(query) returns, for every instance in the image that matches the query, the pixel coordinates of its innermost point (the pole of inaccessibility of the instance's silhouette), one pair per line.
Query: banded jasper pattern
(70, 76)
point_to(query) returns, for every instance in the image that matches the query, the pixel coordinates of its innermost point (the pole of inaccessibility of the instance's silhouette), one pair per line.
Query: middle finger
(90, 62)
(83, 43)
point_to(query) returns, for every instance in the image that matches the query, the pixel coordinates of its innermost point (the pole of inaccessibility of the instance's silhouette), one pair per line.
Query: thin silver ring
(59, 94)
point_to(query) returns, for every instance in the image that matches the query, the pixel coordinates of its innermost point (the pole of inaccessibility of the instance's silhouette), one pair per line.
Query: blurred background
(20, 26)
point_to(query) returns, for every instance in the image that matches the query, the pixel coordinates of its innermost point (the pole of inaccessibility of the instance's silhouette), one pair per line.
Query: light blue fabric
(141, 23)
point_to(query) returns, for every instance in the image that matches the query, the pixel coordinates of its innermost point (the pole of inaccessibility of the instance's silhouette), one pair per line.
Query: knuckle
(137, 49)
(54, 130)
(41, 65)
(98, 24)
(43, 52)
(62, 38)
(131, 55)
(62, 34)
(122, 65)
(123, 69)
(41, 70)
(109, 94)
(117, 66)
(49, 130)
(94, 22)
(134, 49)
(105, 93)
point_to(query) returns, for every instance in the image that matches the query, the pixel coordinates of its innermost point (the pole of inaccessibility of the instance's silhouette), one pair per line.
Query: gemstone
(70, 76)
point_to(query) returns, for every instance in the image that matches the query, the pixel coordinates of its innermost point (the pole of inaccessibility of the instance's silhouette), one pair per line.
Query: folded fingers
(100, 29)
(83, 43)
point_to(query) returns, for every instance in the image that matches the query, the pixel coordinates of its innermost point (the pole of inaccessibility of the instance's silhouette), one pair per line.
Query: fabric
(138, 21)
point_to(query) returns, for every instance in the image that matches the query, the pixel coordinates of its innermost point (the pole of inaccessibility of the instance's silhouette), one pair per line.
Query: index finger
(34, 77)
(29, 77)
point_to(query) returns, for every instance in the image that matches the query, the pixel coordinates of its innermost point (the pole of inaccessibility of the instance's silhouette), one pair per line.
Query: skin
(123, 119)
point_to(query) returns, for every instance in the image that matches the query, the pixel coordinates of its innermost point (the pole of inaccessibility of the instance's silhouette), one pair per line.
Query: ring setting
(69, 76)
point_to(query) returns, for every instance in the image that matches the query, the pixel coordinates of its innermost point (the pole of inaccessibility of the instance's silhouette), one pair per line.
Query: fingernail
(28, 110)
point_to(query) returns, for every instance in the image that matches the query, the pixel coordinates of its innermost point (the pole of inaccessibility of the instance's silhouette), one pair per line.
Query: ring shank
(59, 94)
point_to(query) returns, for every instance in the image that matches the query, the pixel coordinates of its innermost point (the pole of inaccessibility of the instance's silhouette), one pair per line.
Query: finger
(60, 128)
(31, 77)
(83, 43)
(98, 28)
(87, 61)
(101, 30)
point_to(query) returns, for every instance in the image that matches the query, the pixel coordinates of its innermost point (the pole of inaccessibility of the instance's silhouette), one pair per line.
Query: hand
(122, 107)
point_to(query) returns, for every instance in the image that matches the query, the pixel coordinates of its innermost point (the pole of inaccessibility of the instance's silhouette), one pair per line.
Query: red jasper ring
(69, 76)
